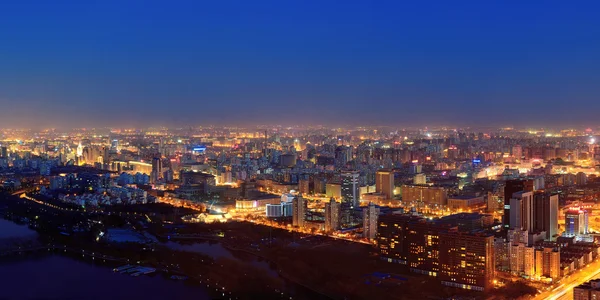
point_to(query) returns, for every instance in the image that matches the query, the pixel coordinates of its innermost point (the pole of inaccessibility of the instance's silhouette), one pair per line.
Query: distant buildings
(465, 202)
(433, 195)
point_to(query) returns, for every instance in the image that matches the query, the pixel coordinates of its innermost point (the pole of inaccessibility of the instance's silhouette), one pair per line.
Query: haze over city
(299, 150)
(124, 63)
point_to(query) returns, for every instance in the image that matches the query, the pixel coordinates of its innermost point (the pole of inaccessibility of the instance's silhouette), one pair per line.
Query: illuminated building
(392, 237)
(511, 187)
(521, 211)
(384, 183)
(434, 195)
(545, 214)
(283, 209)
(332, 215)
(370, 217)
(333, 190)
(464, 202)
(587, 291)
(466, 260)
(420, 179)
(350, 189)
(463, 259)
(156, 172)
(576, 222)
(298, 211)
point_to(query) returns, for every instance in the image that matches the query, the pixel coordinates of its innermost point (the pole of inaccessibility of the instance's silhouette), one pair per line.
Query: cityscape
(299, 150)
(476, 212)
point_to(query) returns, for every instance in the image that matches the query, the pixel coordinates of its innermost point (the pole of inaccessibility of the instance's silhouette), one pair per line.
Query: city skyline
(152, 64)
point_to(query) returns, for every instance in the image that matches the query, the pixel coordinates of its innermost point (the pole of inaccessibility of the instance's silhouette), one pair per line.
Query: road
(565, 290)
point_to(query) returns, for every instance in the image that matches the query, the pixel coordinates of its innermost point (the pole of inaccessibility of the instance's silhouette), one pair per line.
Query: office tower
(545, 214)
(576, 222)
(511, 187)
(298, 211)
(114, 145)
(384, 183)
(521, 211)
(332, 215)
(350, 188)
(156, 172)
(370, 218)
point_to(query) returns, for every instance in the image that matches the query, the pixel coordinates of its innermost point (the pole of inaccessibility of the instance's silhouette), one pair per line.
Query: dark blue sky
(94, 63)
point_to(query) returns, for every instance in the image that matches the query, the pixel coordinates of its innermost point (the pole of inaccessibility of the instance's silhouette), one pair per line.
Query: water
(9, 230)
(58, 277)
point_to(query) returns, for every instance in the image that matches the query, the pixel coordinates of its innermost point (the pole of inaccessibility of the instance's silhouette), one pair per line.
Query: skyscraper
(384, 183)
(298, 211)
(156, 169)
(511, 187)
(370, 218)
(332, 215)
(350, 188)
(521, 211)
(545, 214)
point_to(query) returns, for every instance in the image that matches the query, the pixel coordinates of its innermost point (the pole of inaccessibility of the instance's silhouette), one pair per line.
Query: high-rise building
(576, 222)
(350, 188)
(551, 262)
(511, 187)
(521, 211)
(458, 258)
(332, 215)
(298, 211)
(156, 169)
(370, 218)
(384, 183)
(580, 178)
(545, 214)
(466, 260)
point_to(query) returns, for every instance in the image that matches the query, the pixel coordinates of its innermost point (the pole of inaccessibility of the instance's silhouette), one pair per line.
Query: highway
(565, 290)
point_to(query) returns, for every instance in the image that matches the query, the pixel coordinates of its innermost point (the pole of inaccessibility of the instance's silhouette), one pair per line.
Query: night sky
(121, 63)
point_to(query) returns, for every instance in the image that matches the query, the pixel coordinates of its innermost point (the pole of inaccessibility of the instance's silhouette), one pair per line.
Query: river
(54, 276)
